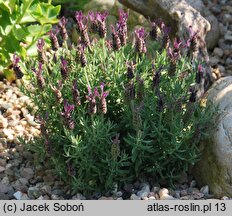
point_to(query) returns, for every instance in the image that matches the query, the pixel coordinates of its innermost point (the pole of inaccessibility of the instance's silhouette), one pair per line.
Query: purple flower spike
(192, 41)
(199, 74)
(94, 25)
(101, 19)
(140, 45)
(82, 27)
(154, 31)
(62, 25)
(172, 55)
(92, 109)
(102, 98)
(16, 68)
(57, 92)
(68, 108)
(63, 22)
(200, 68)
(81, 20)
(39, 77)
(122, 27)
(40, 67)
(40, 44)
(40, 50)
(177, 44)
(116, 42)
(165, 40)
(16, 59)
(91, 16)
(64, 68)
(192, 32)
(54, 40)
(44, 133)
(76, 94)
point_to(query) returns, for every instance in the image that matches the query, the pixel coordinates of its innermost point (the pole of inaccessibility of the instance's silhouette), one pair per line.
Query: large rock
(213, 35)
(180, 16)
(214, 169)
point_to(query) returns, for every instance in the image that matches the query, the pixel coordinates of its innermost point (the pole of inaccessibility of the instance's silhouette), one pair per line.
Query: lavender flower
(76, 94)
(130, 91)
(177, 45)
(140, 45)
(199, 74)
(116, 43)
(16, 68)
(39, 77)
(62, 24)
(80, 55)
(40, 44)
(68, 108)
(173, 56)
(54, 40)
(154, 31)
(122, 27)
(44, 133)
(91, 97)
(101, 19)
(193, 94)
(108, 44)
(130, 70)
(82, 27)
(160, 102)
(166, 40)
(57, 92)
(156, 77)
(81, 21)
(40, 50)
(102, 98)
(94, 24)
(192, 41)
(64, 68)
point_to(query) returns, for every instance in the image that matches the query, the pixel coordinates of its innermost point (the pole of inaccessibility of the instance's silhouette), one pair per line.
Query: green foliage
(152, 133)
(72, 5)
(22, 23)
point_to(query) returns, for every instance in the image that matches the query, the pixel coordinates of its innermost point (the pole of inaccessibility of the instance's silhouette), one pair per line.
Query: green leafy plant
(72, 5)
(109, 112)
(22, 24)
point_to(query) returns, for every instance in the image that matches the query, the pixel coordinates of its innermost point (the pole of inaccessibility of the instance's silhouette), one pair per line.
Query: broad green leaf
(25, 6)
(45, 13)
(38, 29)
(9, 74)
(27, 18)
(20, 32)
(7, 5)
(5, 23)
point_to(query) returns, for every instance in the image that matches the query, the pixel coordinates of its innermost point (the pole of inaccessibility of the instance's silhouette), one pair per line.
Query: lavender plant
(110, 113)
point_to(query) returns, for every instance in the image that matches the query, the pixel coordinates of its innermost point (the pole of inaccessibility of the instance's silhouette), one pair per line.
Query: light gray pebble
(4, 188)
(78, 196)
(27, 173)
(134, 197)
(20, 196)
(205, 190)
(166, 197)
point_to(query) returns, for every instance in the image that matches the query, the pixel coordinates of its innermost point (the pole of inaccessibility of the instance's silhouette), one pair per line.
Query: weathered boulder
(180, 16)
(214, 168)
(213, 35)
